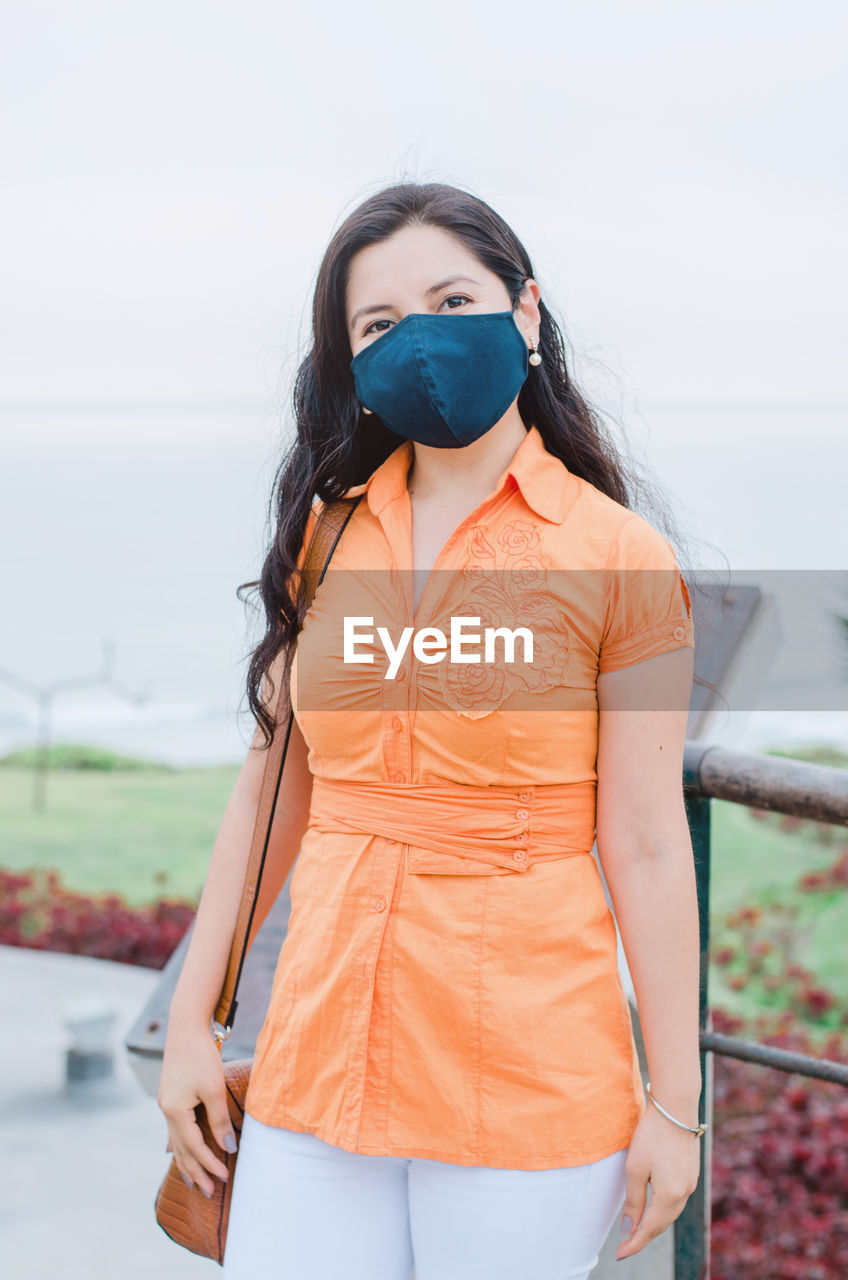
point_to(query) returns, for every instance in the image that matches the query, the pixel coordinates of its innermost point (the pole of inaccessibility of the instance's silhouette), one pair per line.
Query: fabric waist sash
(460, 829)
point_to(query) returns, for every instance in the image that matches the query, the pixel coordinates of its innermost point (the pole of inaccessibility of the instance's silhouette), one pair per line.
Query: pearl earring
(534, 356)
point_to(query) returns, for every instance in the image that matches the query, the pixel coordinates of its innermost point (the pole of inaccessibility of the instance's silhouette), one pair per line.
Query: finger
(185, 1177)
(635, 1195)
(193, 1171)
(193, 1139)
(170, 1147)
(218, 1119)
(658, 1216)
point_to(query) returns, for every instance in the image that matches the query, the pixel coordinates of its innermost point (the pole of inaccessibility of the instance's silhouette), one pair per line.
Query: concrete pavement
(80, 1170)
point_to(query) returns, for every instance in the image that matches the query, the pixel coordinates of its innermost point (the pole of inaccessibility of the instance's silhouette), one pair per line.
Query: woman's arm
(198, 988)
(646, 853)
(192, 1067)
(645, 849)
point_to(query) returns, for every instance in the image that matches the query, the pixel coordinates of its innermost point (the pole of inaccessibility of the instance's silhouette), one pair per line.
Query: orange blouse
(448, 985)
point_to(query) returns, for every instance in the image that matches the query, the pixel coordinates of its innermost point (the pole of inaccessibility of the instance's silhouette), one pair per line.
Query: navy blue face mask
(443, 380)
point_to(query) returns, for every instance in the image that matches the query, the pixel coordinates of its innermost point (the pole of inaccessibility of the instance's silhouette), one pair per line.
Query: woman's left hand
(668, 1157)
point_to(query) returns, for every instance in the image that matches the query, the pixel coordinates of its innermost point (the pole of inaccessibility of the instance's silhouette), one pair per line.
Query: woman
(446, 1076)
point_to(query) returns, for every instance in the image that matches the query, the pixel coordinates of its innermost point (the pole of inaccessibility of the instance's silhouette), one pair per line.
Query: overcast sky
(172, 173)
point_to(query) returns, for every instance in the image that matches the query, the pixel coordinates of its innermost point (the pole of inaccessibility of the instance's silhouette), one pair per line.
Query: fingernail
(626, 1225)
(230, 1142)
(208, 1194)
(187, 1180)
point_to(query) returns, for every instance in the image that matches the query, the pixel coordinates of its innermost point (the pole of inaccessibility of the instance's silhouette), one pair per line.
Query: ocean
(127, 528)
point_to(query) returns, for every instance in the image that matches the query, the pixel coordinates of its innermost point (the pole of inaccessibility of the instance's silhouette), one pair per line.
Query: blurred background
(171, 177)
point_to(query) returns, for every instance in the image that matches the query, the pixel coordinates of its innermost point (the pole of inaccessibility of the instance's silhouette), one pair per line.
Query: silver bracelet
(701, 1129)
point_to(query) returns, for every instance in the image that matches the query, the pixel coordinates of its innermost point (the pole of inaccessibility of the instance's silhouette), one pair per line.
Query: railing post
(692, 1227)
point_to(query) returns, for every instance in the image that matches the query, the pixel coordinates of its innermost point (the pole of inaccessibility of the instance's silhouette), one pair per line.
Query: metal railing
(814, 791)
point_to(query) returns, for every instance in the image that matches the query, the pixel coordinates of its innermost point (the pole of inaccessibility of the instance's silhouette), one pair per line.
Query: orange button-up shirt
(448, 986)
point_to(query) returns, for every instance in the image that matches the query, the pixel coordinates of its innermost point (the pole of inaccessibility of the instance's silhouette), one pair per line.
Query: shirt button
(524, 795)
(679, 633)
(400, 674)
(397, 777)
(522, 813)
(390, 840)
(522, 835)
(379, 904)
(519, 855)
(396, 724)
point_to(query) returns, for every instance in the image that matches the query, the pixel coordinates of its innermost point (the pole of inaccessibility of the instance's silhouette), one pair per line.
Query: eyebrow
(387, 306)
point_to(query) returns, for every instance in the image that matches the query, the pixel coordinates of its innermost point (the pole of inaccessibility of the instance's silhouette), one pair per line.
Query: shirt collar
(542, 478)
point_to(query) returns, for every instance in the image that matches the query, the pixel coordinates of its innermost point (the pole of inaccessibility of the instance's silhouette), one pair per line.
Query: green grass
(813, 753)
(755, 863)
(145, 833)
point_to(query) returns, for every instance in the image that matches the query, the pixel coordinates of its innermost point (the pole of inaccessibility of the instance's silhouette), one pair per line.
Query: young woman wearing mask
(446, 1077)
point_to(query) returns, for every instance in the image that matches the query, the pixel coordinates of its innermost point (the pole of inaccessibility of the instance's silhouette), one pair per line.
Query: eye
(461, 296)
(369, 328)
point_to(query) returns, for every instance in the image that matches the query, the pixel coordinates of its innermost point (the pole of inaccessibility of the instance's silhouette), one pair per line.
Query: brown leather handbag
(183, 1212)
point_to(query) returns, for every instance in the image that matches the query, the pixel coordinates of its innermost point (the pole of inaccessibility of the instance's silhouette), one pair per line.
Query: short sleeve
(647, 606)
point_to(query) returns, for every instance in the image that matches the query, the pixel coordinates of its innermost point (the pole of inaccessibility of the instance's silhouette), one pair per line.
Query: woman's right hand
(193, 1072)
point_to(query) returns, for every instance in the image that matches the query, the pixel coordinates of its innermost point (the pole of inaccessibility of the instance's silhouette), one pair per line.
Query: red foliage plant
(37, 911)
(779, 1164)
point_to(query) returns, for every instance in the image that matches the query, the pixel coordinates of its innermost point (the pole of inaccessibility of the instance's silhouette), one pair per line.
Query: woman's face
(425, 269)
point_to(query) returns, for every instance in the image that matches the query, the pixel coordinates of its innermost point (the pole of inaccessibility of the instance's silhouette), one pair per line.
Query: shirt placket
(368, 1064)
(367, 1067)
(395, 694)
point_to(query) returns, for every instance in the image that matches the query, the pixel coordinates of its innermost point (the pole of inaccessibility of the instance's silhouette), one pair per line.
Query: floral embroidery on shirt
(505, 585)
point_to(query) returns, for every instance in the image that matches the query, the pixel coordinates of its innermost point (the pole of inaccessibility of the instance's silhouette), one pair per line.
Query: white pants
(301, 1207)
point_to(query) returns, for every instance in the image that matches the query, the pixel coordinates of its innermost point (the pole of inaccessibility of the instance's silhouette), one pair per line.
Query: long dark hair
(336, 446)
